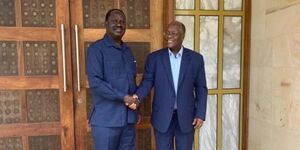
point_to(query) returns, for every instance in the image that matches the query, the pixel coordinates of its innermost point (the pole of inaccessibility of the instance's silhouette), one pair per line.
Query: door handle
(63, 49)
(77, 57)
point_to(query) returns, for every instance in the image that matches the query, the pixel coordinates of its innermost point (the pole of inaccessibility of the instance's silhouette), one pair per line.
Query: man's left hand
(197, 123)
(135, 104)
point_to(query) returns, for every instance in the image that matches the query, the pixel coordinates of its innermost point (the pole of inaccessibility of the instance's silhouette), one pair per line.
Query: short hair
(112, 10)
(179, 24)
(183, 27)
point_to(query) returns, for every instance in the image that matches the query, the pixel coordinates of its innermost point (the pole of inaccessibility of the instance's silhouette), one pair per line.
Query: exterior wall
(274, 102)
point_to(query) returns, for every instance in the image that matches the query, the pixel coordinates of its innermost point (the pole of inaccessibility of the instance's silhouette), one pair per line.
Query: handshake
(132, 101)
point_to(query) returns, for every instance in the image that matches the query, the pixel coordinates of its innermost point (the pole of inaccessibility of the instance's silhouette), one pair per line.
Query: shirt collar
(110, 42)
(179, 54)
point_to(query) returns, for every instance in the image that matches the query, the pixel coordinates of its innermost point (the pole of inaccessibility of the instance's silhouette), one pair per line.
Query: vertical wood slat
(143, 140)
(24, 106)
(242, 76)
(157, 28)
(246, 76)
(25, 118)
(18, 13)
(168, 12)
(117, 4)
(66, 98)
(197, 49)
(25, 143)
(156, 23)
(82, 137)
(21, 58)
(220, 81)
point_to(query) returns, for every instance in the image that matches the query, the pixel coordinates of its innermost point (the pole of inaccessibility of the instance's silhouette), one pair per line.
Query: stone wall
(274, 102)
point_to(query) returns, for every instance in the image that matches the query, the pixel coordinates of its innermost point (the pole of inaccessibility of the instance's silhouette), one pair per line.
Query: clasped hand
(131, 101)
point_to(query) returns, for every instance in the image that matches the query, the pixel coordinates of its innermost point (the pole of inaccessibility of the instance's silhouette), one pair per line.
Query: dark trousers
(165, 141)
(114, 138)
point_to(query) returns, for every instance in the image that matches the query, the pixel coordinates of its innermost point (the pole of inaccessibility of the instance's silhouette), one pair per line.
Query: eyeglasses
(115, 21)
(173, 34)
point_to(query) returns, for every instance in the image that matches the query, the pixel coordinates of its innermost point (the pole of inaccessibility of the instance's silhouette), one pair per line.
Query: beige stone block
(260, 133)
(260, 104)
(261, 110)
(272, 3)
(267, 136)
(274, 102)
(258, 25)
(261, 53)
(284, 139)
(275, 96)
(265, 82)
(258, 19)
(259, 6)
(253, 84)
(280, 3)
(298, 144)
(281, 50)
(282, 20)
(286, 103)
(294, 45)
(296, 86)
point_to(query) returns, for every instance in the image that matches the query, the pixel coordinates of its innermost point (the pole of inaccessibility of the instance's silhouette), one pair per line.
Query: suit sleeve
(201, 91)
(98, 85)
(148, 79)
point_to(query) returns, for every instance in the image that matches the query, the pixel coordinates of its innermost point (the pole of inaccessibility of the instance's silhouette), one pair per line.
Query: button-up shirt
(111, 70)
(175, 61)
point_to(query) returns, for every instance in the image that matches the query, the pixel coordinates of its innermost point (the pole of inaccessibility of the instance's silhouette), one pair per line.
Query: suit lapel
(185, 61)
(167, 65)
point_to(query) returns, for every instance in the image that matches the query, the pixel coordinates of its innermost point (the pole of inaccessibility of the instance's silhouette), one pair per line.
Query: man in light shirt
(180, 93)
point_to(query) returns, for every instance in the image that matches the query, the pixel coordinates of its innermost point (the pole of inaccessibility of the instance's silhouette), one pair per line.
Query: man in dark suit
(111, 71)
(180, 92)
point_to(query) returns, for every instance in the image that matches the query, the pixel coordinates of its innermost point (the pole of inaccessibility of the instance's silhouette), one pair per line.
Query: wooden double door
(44, 93)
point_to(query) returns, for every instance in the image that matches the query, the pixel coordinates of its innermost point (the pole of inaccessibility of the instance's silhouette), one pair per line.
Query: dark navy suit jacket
(191, 94)
(111, 73)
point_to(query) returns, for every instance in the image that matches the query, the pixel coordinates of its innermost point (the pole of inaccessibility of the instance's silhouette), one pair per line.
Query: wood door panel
(7, 13)
(36, 112)
(43, 105)
(94, 12)
(40, 58)
(49, 142)
(10, 107)
(9, 58)
(137, 13)
(38, 13)
(140, 52)
(14, 143)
